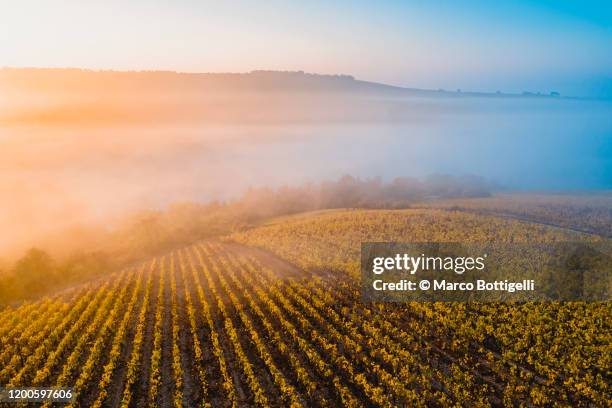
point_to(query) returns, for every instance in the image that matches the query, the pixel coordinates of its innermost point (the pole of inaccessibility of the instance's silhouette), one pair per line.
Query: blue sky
(510, 46)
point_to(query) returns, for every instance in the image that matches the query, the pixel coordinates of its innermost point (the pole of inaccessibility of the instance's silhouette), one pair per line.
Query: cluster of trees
(149, 233)
(37, 273)
(352, 192)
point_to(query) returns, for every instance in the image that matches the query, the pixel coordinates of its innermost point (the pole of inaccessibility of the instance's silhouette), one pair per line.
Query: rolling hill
(272, 317)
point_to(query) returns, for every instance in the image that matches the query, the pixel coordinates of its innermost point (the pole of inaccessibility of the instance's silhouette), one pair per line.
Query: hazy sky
(478, 45)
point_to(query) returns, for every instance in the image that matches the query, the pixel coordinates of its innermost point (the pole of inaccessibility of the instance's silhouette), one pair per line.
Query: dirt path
(166, 390)
(530, 220)
(282, 362)
(278, 265)
(191, 392)
(142, 384)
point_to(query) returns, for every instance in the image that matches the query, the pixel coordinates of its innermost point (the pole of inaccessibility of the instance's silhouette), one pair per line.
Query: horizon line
(459, 91)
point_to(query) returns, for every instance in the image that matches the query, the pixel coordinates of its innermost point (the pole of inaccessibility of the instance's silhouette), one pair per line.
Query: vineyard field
(522, 354)
(272, 317)
(589, 213)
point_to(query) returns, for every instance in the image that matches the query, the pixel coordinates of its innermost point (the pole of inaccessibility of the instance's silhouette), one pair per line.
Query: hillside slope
(224, 324)
(542, 343)
(332, 239)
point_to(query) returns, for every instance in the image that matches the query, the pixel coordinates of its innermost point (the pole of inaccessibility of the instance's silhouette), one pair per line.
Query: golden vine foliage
(226, 324)
(561, 350)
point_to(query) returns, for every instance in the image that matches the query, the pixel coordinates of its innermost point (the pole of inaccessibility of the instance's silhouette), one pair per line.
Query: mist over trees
(37, 273)
(149, 233)
(353, 192)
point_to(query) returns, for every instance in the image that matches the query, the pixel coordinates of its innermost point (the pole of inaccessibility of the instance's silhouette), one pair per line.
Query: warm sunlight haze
(305, 203)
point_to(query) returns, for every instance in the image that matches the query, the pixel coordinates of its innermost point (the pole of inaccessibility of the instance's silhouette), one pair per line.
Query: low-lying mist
(77, 156)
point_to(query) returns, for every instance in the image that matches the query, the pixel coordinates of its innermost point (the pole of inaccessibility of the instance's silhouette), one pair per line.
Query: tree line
(152, 232)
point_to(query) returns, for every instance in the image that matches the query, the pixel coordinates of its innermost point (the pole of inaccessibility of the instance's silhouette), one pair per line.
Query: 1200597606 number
(36, 394)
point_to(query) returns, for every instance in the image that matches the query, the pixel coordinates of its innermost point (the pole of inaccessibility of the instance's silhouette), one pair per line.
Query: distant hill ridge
(85, 80)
